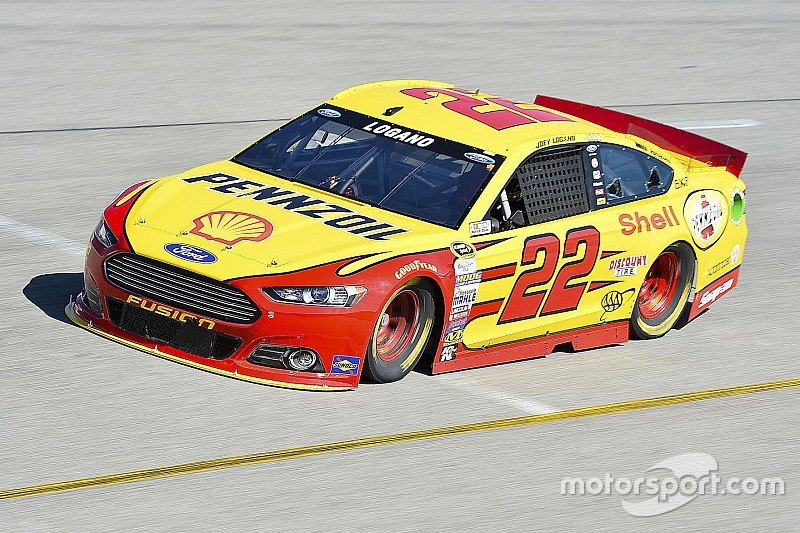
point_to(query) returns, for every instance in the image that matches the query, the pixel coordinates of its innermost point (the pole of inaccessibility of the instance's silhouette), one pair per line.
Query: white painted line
(714, 124)
(40, 236)
(526, 405)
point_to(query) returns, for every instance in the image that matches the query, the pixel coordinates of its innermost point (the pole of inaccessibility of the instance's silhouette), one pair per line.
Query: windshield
(376, 162)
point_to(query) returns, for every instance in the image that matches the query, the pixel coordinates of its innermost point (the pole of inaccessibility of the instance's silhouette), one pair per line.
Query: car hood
(227, 221)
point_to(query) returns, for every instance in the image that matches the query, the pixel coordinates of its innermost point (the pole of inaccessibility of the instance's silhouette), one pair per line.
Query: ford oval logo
(190, 253)
(331, 113)
(479, 158)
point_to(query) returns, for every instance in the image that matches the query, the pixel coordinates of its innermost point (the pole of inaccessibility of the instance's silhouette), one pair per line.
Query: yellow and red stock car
(412, 221)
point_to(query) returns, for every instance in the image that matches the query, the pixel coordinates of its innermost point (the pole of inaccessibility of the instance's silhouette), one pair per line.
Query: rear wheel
(664, 292)
(401, 333)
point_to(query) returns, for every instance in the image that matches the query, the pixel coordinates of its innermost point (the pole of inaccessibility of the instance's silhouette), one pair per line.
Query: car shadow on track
(52, 292)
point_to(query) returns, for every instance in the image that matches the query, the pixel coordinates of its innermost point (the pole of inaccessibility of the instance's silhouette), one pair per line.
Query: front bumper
(331, 333)
(78, 313)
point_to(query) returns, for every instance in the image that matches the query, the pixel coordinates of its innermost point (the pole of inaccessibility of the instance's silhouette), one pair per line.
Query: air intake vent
(554, 185)
(188, 336)
(179, 288)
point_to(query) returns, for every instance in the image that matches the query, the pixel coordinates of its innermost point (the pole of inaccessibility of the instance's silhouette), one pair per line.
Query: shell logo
(231, 227)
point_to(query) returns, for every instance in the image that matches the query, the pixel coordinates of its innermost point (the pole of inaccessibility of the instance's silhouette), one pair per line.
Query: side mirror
(655, 179)
(518, 219)
(615, 189)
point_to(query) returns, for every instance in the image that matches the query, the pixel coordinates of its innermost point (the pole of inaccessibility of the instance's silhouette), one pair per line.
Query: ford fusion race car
(413, 222)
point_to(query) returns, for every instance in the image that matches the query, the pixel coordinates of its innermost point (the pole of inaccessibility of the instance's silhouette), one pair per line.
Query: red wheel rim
(397, 324)
(659, 285)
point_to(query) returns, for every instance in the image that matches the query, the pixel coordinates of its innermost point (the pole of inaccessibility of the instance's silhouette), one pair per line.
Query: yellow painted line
(435, 433)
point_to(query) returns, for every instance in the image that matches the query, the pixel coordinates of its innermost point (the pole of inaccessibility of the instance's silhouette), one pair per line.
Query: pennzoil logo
(231, 227)
(169, 312)
(335, 216)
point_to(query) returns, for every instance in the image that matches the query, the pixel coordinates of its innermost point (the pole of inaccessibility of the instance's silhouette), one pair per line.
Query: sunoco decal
(345, 364)
(332, 215)
(706, 213)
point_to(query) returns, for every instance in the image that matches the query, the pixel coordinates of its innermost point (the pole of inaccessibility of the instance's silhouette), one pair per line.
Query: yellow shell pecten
(231, 227)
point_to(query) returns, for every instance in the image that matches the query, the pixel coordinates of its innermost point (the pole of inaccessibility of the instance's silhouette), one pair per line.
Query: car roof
(422, 104)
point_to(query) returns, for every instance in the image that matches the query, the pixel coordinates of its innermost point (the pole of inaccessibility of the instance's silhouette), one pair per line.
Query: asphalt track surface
(112, 93)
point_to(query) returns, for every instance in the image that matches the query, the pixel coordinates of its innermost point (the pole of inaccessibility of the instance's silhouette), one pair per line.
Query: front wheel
(400, 333)
(664, 292)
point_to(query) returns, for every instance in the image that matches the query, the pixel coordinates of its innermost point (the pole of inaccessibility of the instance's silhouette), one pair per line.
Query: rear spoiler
(667, 137)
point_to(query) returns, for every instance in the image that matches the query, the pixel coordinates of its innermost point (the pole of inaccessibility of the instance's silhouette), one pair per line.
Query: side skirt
(580, 339)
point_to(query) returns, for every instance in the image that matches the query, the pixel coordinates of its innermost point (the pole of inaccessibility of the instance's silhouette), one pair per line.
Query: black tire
(397, 342)
(653, 317)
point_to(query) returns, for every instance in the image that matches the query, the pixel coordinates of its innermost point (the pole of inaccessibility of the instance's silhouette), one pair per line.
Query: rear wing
(667, 137)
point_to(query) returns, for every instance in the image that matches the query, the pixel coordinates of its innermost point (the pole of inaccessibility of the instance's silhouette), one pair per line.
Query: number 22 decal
(562, 296)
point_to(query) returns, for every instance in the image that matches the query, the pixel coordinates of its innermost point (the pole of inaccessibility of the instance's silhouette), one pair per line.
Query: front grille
(187, 336)
(180, 288)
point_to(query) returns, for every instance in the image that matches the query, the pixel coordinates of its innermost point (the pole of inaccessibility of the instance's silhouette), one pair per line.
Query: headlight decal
(104, 234)
(336, 296)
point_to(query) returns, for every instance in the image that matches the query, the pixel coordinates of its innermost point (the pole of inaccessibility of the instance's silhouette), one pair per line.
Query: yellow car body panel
(586, 274)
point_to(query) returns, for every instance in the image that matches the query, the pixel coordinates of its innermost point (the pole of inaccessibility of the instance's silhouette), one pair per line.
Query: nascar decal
(413, 267)
(464, 262)
(168, 312)
(231, 227)
(627, 266)
(705, 212)
(334, 215)
(345, 364)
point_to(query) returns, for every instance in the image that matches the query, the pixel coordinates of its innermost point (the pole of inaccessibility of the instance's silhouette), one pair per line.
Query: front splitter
(74, 317)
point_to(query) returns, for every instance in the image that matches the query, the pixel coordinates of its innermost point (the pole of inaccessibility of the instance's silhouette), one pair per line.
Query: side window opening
(628, 174)
(548, 186)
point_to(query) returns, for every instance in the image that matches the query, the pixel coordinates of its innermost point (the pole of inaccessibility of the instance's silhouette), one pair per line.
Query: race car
(414, 224)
